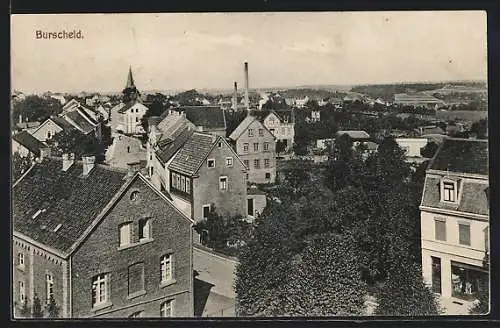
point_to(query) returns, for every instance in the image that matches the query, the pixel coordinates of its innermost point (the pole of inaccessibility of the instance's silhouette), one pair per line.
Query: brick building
(100, 241)
(256, 146)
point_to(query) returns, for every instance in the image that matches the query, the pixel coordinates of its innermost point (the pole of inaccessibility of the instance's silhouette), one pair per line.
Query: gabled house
(26, 145)
(455, 222)
(210, 119)
(100, 242)
(282, 126)
(51, 127)
(256, 146)
(198, 170)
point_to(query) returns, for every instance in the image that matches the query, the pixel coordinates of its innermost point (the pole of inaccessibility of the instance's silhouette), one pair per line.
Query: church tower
(130, 93)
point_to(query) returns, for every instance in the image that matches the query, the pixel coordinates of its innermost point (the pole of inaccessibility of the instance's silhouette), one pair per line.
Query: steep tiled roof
(80, 122)
(65, 198)
(193, 153)
(462, 156)
(168, 147)
(65, 125)
(173, 125)
(29, 142)
(242, 127)
(209, 117)
(474, 196)
(355, 134)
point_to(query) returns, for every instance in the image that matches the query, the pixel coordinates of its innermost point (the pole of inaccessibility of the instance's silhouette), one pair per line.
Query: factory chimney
(235, 96)
(247, 101)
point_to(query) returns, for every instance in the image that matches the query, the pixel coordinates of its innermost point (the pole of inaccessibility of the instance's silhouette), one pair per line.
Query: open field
(466, 115)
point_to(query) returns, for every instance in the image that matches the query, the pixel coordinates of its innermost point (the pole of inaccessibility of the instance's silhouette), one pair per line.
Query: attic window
(449, 191)
(211, 163)
(134, 195)
(220, 144)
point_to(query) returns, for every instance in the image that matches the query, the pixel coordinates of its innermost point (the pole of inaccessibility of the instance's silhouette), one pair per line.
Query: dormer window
(449, 191)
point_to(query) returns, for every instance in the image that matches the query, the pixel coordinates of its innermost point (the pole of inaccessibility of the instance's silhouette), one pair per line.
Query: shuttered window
(136, 278)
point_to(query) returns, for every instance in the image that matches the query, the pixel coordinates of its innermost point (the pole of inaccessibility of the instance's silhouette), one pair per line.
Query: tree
(280, 146)
(480, 128)
(20, 165)
(429, 149)
(37, 307)
(35, 108)
(52, 308)
(157, 105)
(233, 119)
(73, 141)
(405, 293)
(482, 304)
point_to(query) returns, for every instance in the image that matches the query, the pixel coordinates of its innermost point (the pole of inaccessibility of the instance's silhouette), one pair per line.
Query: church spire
(130, 79)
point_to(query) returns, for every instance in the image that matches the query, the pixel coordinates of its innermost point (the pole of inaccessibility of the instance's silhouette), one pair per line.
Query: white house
(455, 222)
(282, 127)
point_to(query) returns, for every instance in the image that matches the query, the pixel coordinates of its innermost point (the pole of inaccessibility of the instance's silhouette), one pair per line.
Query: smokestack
(235, 96)
(247, 101)
(68, 160)
(88, 164)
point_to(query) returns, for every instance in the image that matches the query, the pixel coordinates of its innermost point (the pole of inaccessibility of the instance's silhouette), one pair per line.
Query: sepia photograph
(244, 165)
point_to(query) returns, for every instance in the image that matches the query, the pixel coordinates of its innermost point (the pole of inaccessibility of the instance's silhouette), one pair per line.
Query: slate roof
(65, 125)
(67, 198)
(462, 156)
(172, 125)
(474, 196)
(168, 147)
(80, 121)
(29, 142)
(356, 135)
(193, 153)
(209, 117)
(242, 127)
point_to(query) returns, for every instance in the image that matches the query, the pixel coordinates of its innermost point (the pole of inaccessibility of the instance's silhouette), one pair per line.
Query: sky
(180, 51)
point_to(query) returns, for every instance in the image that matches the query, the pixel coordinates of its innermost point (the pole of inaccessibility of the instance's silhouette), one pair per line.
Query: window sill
(102, 306)
(140, 242)
(167, 283)
(136, 294)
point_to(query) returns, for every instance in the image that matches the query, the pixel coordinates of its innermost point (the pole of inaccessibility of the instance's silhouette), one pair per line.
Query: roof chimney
(68, 160)
(247, 101)
(88, 164)
(235, 96)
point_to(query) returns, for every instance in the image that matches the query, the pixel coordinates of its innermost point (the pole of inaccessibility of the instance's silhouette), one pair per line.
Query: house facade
(412, 146)
(105, 244)
(50, 128)
(282, 127)
(256, 146)
(455, 221)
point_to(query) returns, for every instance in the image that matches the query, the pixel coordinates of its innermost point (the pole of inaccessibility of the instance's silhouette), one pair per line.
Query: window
(256, 163)
(256, 146)
(250, 132)
(151, 157)
(247, 163)
(151, 171)
(20, 260)
(166, 309)
(219, 144)
(266, 146)
(261, 132)
(268, 175)
(181, 183)
(449, 192)
(128, 149)
(205, 211)
(245, 147)
(223, 183)
(125, 234)
(135, 278)
(464, 234)
(166, 268)
(137, 110)
(272, 131)
(22, 292)
(266, 162)
(440, 229)
(211, 163)
(138, 314)
(49, 287)
(229, 161)
(136, 118)
(49, 135)
(144, 229)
